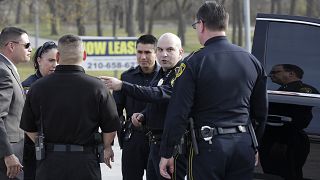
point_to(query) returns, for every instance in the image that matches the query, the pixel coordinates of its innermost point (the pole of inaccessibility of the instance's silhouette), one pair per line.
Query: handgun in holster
(99, 146)
(125, 132)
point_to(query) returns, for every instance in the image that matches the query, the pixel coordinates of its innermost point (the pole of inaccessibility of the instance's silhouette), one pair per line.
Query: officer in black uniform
(285, 148)
(169, 54)
(223, 87)
(46, 55)
(135, 142)
(68, 107)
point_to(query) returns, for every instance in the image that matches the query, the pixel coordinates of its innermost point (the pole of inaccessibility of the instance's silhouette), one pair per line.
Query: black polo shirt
(71, 105)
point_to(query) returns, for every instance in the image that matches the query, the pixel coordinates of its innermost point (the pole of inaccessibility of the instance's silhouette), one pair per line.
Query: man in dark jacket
(68, 107)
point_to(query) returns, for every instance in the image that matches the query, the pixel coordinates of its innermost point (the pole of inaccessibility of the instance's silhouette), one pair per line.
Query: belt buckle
(207, 133)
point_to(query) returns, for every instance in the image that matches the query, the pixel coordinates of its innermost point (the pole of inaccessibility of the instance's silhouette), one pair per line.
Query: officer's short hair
(70, 48)
(10, 34)
(293, 68)
(213, 15)
(147, 39)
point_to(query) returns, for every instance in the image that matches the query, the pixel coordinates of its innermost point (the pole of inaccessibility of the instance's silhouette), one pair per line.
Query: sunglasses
(194, 24)
(47, 45)
(26, 45)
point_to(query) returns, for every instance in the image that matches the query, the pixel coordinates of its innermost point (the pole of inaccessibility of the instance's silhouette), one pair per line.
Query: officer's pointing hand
(112, 83)
(164, 165)
(137, 119)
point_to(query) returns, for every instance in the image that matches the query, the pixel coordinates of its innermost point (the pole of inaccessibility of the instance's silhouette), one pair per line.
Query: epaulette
(191, 54)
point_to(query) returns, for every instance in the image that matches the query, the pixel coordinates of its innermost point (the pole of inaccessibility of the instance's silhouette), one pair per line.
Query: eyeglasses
(194, 24)
(275, 72)
(45, 46)
(26, 45)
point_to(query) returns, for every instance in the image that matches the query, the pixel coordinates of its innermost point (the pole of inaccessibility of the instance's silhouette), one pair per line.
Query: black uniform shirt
(72, 106)
(220, 85)
(26, 84)
(299, 86)
(157, 94)
(135, 76)
(301, 115)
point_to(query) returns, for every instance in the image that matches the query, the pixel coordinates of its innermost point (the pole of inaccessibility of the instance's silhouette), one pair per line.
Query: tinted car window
(290, 43)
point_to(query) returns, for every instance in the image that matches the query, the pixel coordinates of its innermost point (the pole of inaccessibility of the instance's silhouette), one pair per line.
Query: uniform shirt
(72, 106)
(221, 85)
(299, 86)
(301, 115)
(135, 76)
(26, 84)
(157, 95)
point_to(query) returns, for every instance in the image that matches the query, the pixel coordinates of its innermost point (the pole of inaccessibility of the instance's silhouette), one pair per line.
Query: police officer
(45, 62)
(68, 107)
(169, 53)
(284, 149)
(222, 87)
(135, 142)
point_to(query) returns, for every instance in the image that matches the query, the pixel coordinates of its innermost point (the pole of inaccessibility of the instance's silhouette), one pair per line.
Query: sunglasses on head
(45, 46)
(26, 45)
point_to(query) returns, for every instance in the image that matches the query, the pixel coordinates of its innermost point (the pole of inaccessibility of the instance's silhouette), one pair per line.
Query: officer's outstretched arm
(108, 152)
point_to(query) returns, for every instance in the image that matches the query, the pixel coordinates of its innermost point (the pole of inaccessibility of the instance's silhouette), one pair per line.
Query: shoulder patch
(179, 71)
(182, 67)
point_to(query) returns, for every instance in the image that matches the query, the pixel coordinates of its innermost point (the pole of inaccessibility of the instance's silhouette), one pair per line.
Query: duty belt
(68, 148)
(207, 133)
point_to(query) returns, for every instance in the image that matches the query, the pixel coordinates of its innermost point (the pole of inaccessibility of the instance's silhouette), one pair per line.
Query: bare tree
(31, 12)
(141, 15)
(114, 19)
(18, 15)
(98, 20)
(310, 8)
(154, 6)
(276, 5)
(79, 18)
(293, 7)
(130, 18)
(181, 9)
(54, 15)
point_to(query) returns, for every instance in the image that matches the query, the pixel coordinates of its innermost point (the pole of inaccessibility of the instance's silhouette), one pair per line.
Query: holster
(99, 146)
(125, 132)
(183, 146)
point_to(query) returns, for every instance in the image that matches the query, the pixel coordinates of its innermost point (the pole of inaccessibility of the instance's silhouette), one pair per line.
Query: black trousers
(135, 156)
(284, 152)
(153, 172)
(29, 159)
(69, 165)
(229, 157)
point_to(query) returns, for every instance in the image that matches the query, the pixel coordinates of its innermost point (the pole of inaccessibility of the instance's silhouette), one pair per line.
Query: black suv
(289, 49)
